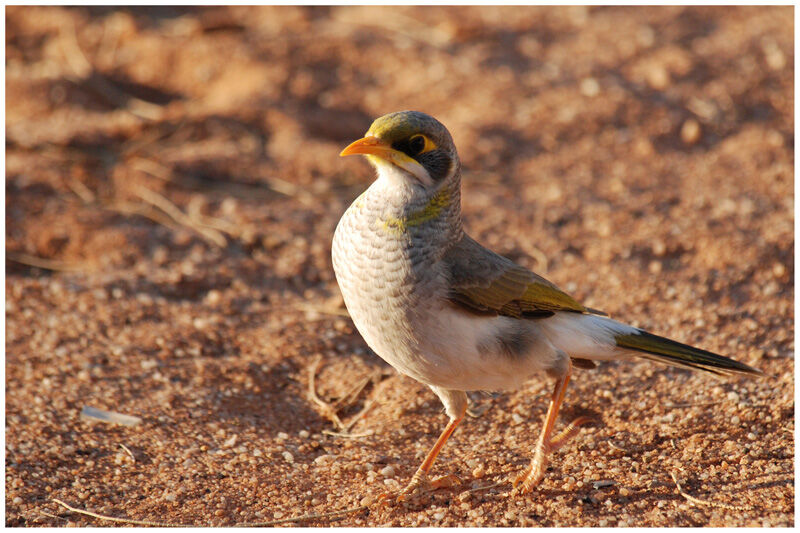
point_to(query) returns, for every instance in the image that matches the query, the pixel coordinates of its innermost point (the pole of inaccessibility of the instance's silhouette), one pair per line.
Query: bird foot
(529, 478)
(420, 483)
(533, 475)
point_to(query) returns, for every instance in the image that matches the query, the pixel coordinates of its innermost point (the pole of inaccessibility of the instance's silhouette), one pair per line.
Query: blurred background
(172, 187)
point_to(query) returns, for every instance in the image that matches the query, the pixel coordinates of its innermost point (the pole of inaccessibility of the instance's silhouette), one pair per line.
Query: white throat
(399, 176)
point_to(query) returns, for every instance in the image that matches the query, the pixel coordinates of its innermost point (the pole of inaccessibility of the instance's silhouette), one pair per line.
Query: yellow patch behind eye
(429, 144)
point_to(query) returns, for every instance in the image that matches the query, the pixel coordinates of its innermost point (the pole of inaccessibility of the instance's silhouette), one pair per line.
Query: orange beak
(373, 148)
(369, 146)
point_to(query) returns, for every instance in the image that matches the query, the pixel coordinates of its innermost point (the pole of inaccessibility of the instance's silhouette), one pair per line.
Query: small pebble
(213, 297)
(303, 434)
(387, 471)
(288, 457)
(590, 87)
(690, 131)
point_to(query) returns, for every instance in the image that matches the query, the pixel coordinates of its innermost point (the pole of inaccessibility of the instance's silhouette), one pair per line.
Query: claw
(420, 483)
(445, 482)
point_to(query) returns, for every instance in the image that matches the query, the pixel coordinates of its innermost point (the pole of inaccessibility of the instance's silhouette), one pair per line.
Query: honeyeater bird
(441, 308)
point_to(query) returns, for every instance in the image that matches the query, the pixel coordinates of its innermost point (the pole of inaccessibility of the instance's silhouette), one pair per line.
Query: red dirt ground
(172, 186)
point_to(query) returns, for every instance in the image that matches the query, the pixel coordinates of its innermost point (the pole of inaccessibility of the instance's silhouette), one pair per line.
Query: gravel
(641, 158)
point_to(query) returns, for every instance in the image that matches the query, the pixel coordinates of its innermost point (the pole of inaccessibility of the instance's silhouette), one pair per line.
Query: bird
(448, 312)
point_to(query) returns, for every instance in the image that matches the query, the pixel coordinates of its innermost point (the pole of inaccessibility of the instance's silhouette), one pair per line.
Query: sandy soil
(172, 186)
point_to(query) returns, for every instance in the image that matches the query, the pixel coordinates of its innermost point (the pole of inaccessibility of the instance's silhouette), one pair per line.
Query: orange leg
(532, 475)
(420, 477)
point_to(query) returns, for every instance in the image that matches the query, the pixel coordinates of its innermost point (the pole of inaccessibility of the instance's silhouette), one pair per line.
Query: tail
(667, 351)
(598, 338)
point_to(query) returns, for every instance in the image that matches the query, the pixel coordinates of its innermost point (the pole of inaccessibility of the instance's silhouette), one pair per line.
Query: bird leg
(420, 478)
(532, 475)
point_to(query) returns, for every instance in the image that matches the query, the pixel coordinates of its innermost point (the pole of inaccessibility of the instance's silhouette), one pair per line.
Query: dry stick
(53, 515)
(325, 310)
(303, 518)
(82, 191)
(358, 416)
(491, 486)
(617, 447)
(698, 501)
(347, 435)
(218, 224)
(47, 264)
(147, 211)
(155, 169)
(405, 26)
(127, 451)
(350, 396)
(370, 403)
(686, 405)
(177, 215)
(327, 410)
(115, 519)
(84, 71)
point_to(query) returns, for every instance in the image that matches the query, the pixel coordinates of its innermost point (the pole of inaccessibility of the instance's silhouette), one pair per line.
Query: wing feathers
(484, 282)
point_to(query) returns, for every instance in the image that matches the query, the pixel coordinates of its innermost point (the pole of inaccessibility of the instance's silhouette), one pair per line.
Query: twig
(698, 501)
(53, 515)
(405, 26)
(47, 264)
(153, 168)
(177, 215)
(684, 405)
(147, 211)
(115, 519)
(303, 518)
(486, 487)
(327, 411)
(351, 396)
(325, 310)
(82, 191)
(358, 416)
(617, 447)
(85, 72)
(348, 435)
(127, 451)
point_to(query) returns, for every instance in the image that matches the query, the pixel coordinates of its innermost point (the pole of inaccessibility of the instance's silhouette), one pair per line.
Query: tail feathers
(670, 352)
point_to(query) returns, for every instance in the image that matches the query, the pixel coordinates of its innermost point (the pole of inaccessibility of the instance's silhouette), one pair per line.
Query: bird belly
(400, 305)
(471, 352)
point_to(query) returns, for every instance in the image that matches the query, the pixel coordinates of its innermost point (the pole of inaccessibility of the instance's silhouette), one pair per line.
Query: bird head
(411, 144)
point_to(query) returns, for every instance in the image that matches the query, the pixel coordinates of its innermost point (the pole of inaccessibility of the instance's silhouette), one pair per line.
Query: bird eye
(419, 144)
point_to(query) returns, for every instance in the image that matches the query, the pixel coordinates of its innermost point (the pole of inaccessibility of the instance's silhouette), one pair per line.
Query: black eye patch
(411, 147)
(437, 163)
